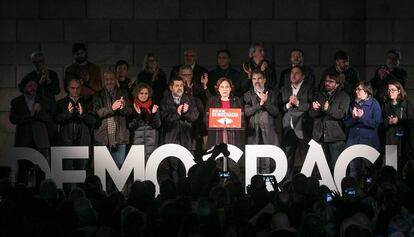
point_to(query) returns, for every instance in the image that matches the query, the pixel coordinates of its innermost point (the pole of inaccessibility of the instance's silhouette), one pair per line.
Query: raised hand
(263, 97)
(137, 108)
(247, 70)
(185, 107)
(316, 106)
(154, 109)
(70, 107)
(326, 106)
(204, 80)
(80, 109)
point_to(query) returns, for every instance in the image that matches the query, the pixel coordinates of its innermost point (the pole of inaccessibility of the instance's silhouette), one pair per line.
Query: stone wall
(128, 29)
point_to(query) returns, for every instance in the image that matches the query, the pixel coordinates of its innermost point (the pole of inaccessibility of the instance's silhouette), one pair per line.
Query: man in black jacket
(73, 114)
(178, 114)
(296, 58)
(190, 59)
(48, 86)
(347, 75)
(257, 61)
(329, 110)
(31, 114)
(224, 69)
(391, 71)
(260, 111)
(296, 100)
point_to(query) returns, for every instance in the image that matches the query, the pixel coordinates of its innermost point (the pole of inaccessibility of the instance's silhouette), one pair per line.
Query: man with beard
(329, 110)
(391, 71)
(297, 58)
(257, 61)
(89, 73)
(31, 114)
(112, 107)
(260, 111)
(178, 114)
(347, 75)
(296, 100)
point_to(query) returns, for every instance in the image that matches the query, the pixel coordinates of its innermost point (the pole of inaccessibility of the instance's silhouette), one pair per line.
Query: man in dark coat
(73, 114)
(112, 107)
(348, 76)
(329, 110)
(260, 111)
(296, 58)
(31, 115)
(257, 61)
(224, 69)
(296, 98)
(178, 114)
(48, 86)
(190, 59)
(391, 71)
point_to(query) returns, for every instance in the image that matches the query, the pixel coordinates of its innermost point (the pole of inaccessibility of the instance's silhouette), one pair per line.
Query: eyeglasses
(393, 90)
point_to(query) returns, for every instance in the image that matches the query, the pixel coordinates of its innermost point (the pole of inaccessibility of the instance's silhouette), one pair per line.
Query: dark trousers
(291, 143)
(332, 150)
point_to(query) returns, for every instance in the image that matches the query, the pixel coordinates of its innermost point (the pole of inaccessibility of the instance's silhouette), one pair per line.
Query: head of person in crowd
(142, 92)
(297, 75)
(256, 52)
(121, 68)
(393, 58)
(177, 87)
(38, 60)
(80, 53)
(185, 72)
(396, 91)
(296, 57)
(28, 86)
(110, 80)
(224, 86)
(363, 90)
(73, 87)
(223, 58)
(258, 80)
(331, 82)
(150, 63)
(190, 57)
(341, 61)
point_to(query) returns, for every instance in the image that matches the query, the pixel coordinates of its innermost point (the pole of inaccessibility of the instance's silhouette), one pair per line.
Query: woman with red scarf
(145, 119)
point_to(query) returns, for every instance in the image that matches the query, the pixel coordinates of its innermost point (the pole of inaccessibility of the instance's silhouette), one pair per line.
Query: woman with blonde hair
(154, 76)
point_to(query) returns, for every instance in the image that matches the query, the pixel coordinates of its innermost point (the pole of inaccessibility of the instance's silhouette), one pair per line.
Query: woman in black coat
(398, 115)
(224, 99)
(145, 119)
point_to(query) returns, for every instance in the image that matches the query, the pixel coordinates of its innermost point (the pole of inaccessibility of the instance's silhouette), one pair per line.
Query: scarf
(145, 108)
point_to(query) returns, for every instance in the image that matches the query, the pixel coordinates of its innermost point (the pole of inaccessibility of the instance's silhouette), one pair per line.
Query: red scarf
(145, 108)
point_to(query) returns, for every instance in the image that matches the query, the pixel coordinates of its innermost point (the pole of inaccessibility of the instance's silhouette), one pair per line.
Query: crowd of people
(110, 109)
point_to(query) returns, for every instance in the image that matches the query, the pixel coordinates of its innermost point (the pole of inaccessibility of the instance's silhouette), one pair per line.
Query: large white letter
(13, 154)
(58, 154)
(163, 152)
(134, 161)
(316, 156)
(254, 152)
(347, 156)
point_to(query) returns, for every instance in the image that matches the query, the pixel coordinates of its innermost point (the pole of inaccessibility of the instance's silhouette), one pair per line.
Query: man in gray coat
(260, 111)
(111, 106)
